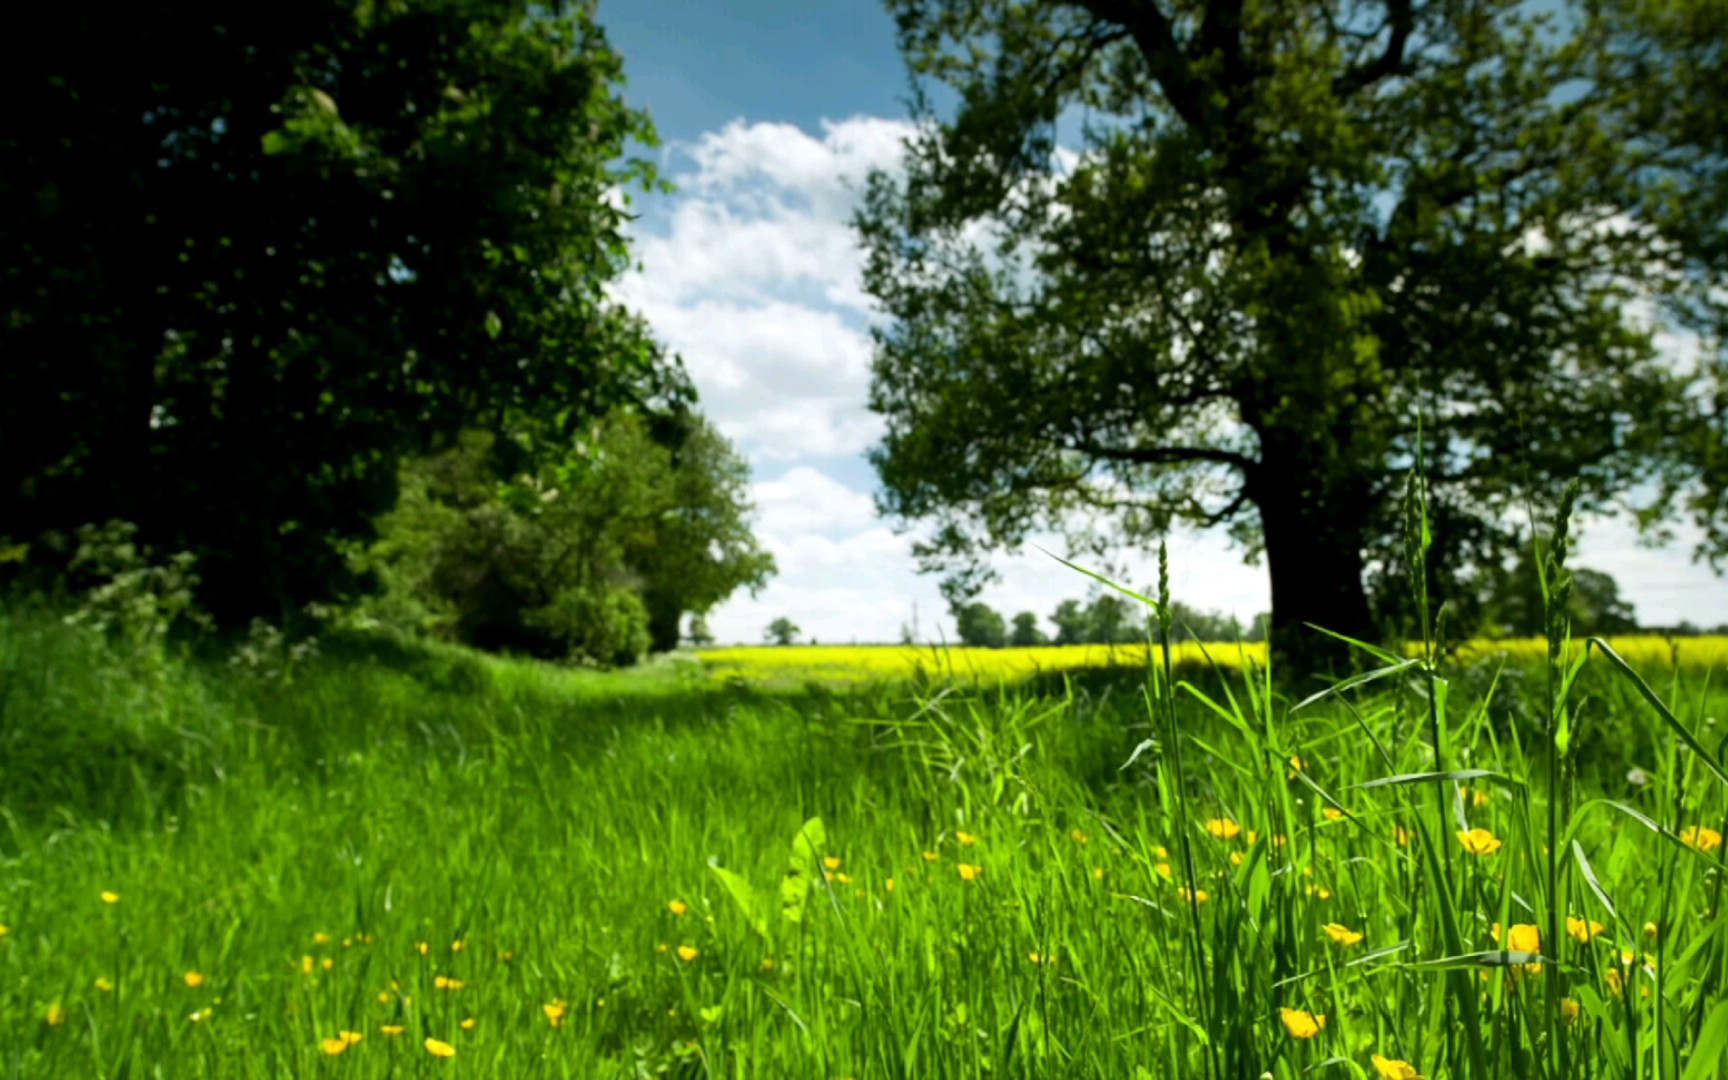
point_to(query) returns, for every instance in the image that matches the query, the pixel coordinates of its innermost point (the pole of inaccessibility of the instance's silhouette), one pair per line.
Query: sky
(770, 116)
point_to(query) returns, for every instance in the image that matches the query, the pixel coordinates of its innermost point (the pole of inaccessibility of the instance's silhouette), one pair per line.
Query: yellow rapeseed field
(867, 663)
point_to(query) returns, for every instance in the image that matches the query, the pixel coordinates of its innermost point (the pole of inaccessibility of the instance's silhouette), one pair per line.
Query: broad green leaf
(1709, 1052)
(803, 869)
(744, 895)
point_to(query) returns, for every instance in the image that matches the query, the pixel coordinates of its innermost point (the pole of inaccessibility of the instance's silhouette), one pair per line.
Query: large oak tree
(1212, 261)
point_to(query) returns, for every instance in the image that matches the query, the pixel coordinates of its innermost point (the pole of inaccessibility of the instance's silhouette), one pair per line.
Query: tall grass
(315, 850)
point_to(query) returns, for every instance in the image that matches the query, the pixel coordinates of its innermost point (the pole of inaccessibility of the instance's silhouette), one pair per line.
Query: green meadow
(401, 860)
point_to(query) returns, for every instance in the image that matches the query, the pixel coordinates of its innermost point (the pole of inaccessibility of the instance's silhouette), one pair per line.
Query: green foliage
(127, 592)
(978, 624)
(251, 256)
(1284, 233)
(782, 631)
(1026, 632)
(598, 555)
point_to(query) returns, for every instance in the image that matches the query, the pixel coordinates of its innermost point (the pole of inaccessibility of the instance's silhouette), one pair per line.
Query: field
(408, 860)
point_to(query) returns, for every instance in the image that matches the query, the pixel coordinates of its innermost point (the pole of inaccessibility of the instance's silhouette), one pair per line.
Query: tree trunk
(1314, 544)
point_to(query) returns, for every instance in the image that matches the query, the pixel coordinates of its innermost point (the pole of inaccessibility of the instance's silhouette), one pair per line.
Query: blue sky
(771, 115)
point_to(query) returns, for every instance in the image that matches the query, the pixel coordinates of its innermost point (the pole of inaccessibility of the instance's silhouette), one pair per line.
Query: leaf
(1490, 959)
(744, 895)
(1590, 880)
(1145, 745)
(1662, 710)
(1437, 777)
(494, 325)
(1708, 1051)
(803, 869)
(1357, 680)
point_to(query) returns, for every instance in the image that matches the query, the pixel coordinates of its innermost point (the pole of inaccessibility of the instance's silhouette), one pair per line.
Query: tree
(1026, 632)
(980, 626)
(1513, 604)
(1289, 233)
(253, 255)
(1110, 620)
(595, 555)
(783, 631)
(700, 635)
(1071, 623)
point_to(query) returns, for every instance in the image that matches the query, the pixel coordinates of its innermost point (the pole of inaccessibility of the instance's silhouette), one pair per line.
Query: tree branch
(1400, 18)
(1163, 455)
(1155, 36)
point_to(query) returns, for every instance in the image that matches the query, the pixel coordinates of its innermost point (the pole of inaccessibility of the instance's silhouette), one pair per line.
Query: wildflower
(457, 945)
(931, 856)
(1078, 836)
(350, 1037)
(1478, 841)
(677, 907)
(555, 1012)
(1252, 836)
(1163, 870)
(1650, 931)
(468, 1024)
(445, 983)
(662, 947)
(1341, 934)
(439, 1049)
(1296, 765)
(347, 943)
(832, 862)
(968, 872)
(383, 997)
(1098, 872)
(422, 948)
(305, 965)
(1235, 858)
(1613, 978)
(1280, 841)
(392, 1030)
(1701, 837)
(1522, 937)
(687, 953)
(4, 929)
(1319, 891)
(320, 938)
(1035, 958)
(1568, 1011)
(767, 963)
(334, 1046)
(1393, 1069)
(1161, 851)
(1332, 813)
(195, 1017)
(1581, 930)
(1223, 828)
(1478, 797)
(1300, 1024)
(194, 979)
(1199, 896)
(328, 963)
(888, 885)
(1399, 836)
(843, 879)
(104, 985)
(110, 897)
(55, 1016)
(966, 839)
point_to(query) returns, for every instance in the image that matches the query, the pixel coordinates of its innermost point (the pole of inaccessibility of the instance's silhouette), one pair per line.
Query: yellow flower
(328, 963)
(104, 985)
(1300, 1024)
(1098, 872)
(767, 963)
(1199, 896)
(320, 938)
(457, 945)
(305, 965)
(1701, 837)
(676, 907)
(1581, 930)
(350, 1037)
(1332, 813)
(1163, 870)
(4, 929)
(969, 872)
(888, 885)
(1341, 934)
(662, 947)
(1477, 797)
(931, 856)
(1393, 1069)
(55, 1016)
(687, 953)
(832, 862)
(468, 1024)
(334, 1046)
(1079, 837)
(422, 948)
(1161, 851)
(392, 1030)
(1568, 1011)
(439, 1049)
(444, 983)
(1399, 836)
(966, 839)
(1319, 891)
(1296, 765)
(1478, 841)
(1612, 975)
(843, 879)
(194, 979)
(383, 997)
(555, 1012)
(1235, 858)
(1223, 828)
(1650, 931)
(110, 897)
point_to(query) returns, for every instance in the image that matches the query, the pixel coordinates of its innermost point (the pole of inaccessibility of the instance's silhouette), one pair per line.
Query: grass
(328, 853)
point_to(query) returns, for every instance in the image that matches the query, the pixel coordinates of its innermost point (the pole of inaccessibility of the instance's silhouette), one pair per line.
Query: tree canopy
(251, 255)
(1212, 263)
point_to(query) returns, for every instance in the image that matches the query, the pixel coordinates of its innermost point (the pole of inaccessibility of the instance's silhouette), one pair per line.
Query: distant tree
(1072, 624)
(699, 632)
(595, 555)
(1111, 620)
(980, 626)
(1512, 604)
(254, 255)
(783, 631)
(1026, 632)
(1190, 623)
